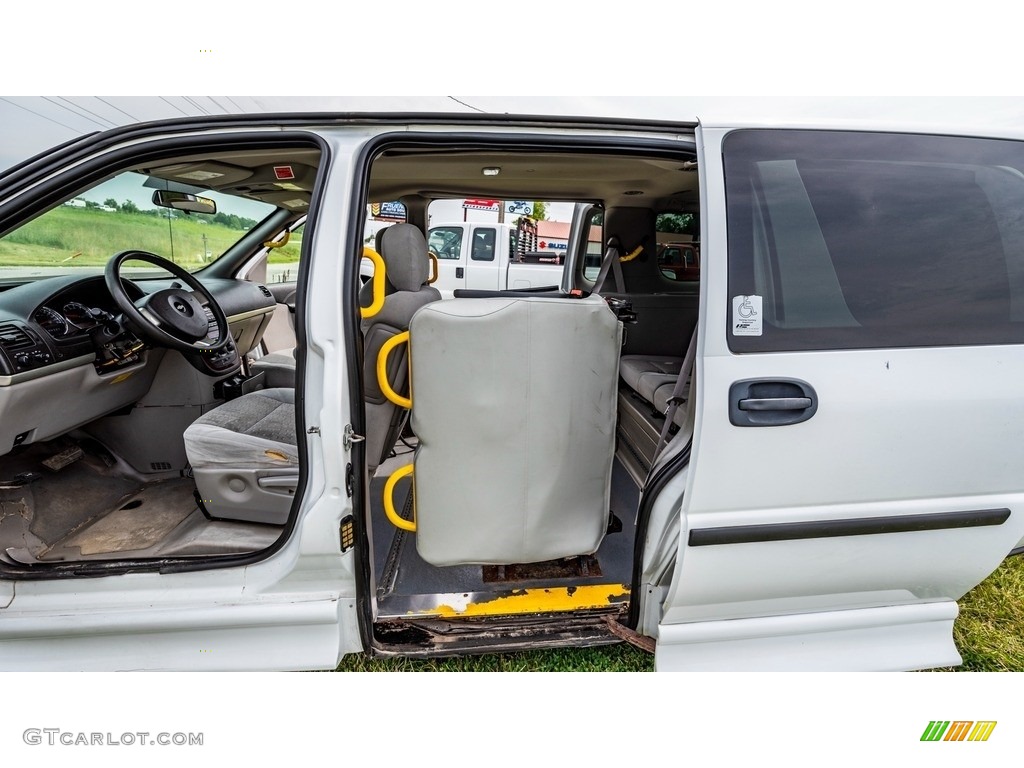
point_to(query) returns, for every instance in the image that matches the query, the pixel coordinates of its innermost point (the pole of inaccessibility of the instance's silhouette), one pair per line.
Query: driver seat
(244, 454)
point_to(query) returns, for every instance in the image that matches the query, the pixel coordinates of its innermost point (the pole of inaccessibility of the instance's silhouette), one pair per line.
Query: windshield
(84, 232)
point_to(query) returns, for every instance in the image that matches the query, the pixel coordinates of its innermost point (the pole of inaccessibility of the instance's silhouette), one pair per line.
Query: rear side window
(483, 244)
(859, 240)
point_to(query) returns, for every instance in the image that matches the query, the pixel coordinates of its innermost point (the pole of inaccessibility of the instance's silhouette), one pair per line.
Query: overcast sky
(935, 66)
(33, 124)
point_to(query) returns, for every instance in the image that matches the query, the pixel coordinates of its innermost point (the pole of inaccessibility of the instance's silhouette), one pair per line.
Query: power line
(466, 105)
(219, 105)
(75, 112)
(110, 123)
(130, 117)
(170, 103)
(197, 105)
(40, 114)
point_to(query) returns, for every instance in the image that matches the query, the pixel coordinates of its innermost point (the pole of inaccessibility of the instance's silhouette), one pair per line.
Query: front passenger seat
(243, 453)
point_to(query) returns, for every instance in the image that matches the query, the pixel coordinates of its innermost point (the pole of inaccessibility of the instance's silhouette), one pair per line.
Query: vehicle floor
(408, 587)
(94, 509)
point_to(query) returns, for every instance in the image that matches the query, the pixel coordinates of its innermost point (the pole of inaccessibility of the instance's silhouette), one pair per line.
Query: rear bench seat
(649, 381)
(646, 373)
(653, 377)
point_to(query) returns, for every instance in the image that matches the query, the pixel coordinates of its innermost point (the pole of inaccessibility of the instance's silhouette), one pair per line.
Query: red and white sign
(283, 172)
(543, 244)
(481, 205)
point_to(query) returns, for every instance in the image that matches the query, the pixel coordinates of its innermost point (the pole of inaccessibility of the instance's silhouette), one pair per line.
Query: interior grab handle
(389, 501)
(382, 370)
(379, 276)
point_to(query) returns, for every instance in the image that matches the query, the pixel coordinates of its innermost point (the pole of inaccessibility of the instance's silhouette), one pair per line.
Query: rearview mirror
(183, 201)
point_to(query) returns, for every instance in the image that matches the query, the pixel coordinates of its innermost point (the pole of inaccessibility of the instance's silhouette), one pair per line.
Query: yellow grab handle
(378, 284)
(382, 370)
(279, 243)
(389, 502)
(632, 254)
(433, 267)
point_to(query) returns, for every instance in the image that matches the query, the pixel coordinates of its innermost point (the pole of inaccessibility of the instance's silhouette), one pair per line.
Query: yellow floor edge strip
(538, 600)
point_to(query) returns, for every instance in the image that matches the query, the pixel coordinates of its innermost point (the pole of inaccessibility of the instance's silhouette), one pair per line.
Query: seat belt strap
(676, 398)
(610, 262)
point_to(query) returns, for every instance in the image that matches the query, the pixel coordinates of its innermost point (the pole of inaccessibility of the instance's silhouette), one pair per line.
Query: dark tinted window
(677, 251)
(856, 240)
(483, 244)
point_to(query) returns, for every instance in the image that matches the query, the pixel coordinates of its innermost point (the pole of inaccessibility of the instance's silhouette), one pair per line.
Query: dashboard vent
(266, 291)
(13, 338)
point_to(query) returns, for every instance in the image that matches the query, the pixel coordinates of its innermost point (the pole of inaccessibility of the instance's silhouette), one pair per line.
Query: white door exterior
(294, 609)
(843, 539)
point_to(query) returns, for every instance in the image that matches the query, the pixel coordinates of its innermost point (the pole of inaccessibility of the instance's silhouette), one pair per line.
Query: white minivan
(799, 458)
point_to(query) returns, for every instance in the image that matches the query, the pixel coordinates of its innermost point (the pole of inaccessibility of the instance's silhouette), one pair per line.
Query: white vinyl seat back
(514, 404)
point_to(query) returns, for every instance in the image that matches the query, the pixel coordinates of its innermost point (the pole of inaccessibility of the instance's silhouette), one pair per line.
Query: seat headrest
(405, 255)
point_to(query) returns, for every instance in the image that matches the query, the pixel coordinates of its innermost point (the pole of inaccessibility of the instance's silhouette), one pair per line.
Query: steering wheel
(172, 317)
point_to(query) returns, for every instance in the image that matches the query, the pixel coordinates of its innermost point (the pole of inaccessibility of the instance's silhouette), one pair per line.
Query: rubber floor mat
(141, 522)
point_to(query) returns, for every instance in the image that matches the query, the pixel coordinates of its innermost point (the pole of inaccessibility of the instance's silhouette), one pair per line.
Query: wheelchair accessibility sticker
(746, 315)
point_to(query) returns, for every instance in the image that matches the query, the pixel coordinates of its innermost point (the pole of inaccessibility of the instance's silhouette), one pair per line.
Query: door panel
(448, 244)
(280, 334)
(483, 272)
(900, 491)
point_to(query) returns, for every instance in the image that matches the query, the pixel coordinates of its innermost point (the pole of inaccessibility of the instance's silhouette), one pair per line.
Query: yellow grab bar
(632, 254)
(382, 370)
(279, 243)
(378, 283)
(433, 267)
(389, 503)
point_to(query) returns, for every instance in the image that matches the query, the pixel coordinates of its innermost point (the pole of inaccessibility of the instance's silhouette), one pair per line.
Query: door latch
(350, 438)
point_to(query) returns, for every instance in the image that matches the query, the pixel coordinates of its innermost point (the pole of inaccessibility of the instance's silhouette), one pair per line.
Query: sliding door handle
(776, 404)
(771, 402)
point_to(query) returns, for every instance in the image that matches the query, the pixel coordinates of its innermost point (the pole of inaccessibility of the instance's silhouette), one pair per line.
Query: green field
(989, 633)
(84, 237)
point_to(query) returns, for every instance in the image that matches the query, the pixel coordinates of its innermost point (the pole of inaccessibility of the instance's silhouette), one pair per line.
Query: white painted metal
(887, 639)
(295, 609)
(897, 432)
(496, 275)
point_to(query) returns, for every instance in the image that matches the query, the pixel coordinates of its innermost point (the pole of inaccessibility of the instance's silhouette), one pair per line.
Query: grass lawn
(989, 633)
(84, 237)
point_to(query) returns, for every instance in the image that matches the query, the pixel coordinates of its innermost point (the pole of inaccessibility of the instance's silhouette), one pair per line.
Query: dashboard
(67, 356)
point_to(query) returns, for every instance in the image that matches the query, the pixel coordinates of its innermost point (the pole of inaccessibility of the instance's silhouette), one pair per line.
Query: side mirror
(183, 201)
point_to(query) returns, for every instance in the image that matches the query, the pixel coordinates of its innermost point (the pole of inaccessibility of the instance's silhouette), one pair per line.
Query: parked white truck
(488, 257)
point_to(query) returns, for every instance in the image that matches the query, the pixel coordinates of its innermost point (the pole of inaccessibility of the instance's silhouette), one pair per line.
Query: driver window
(446, 242)
(118, 214)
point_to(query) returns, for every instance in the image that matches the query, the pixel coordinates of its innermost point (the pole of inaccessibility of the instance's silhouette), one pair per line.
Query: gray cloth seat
(653, 377)
(244, 457)
(278, 368)
(645, 374)
(660, 401)
(243, 454)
